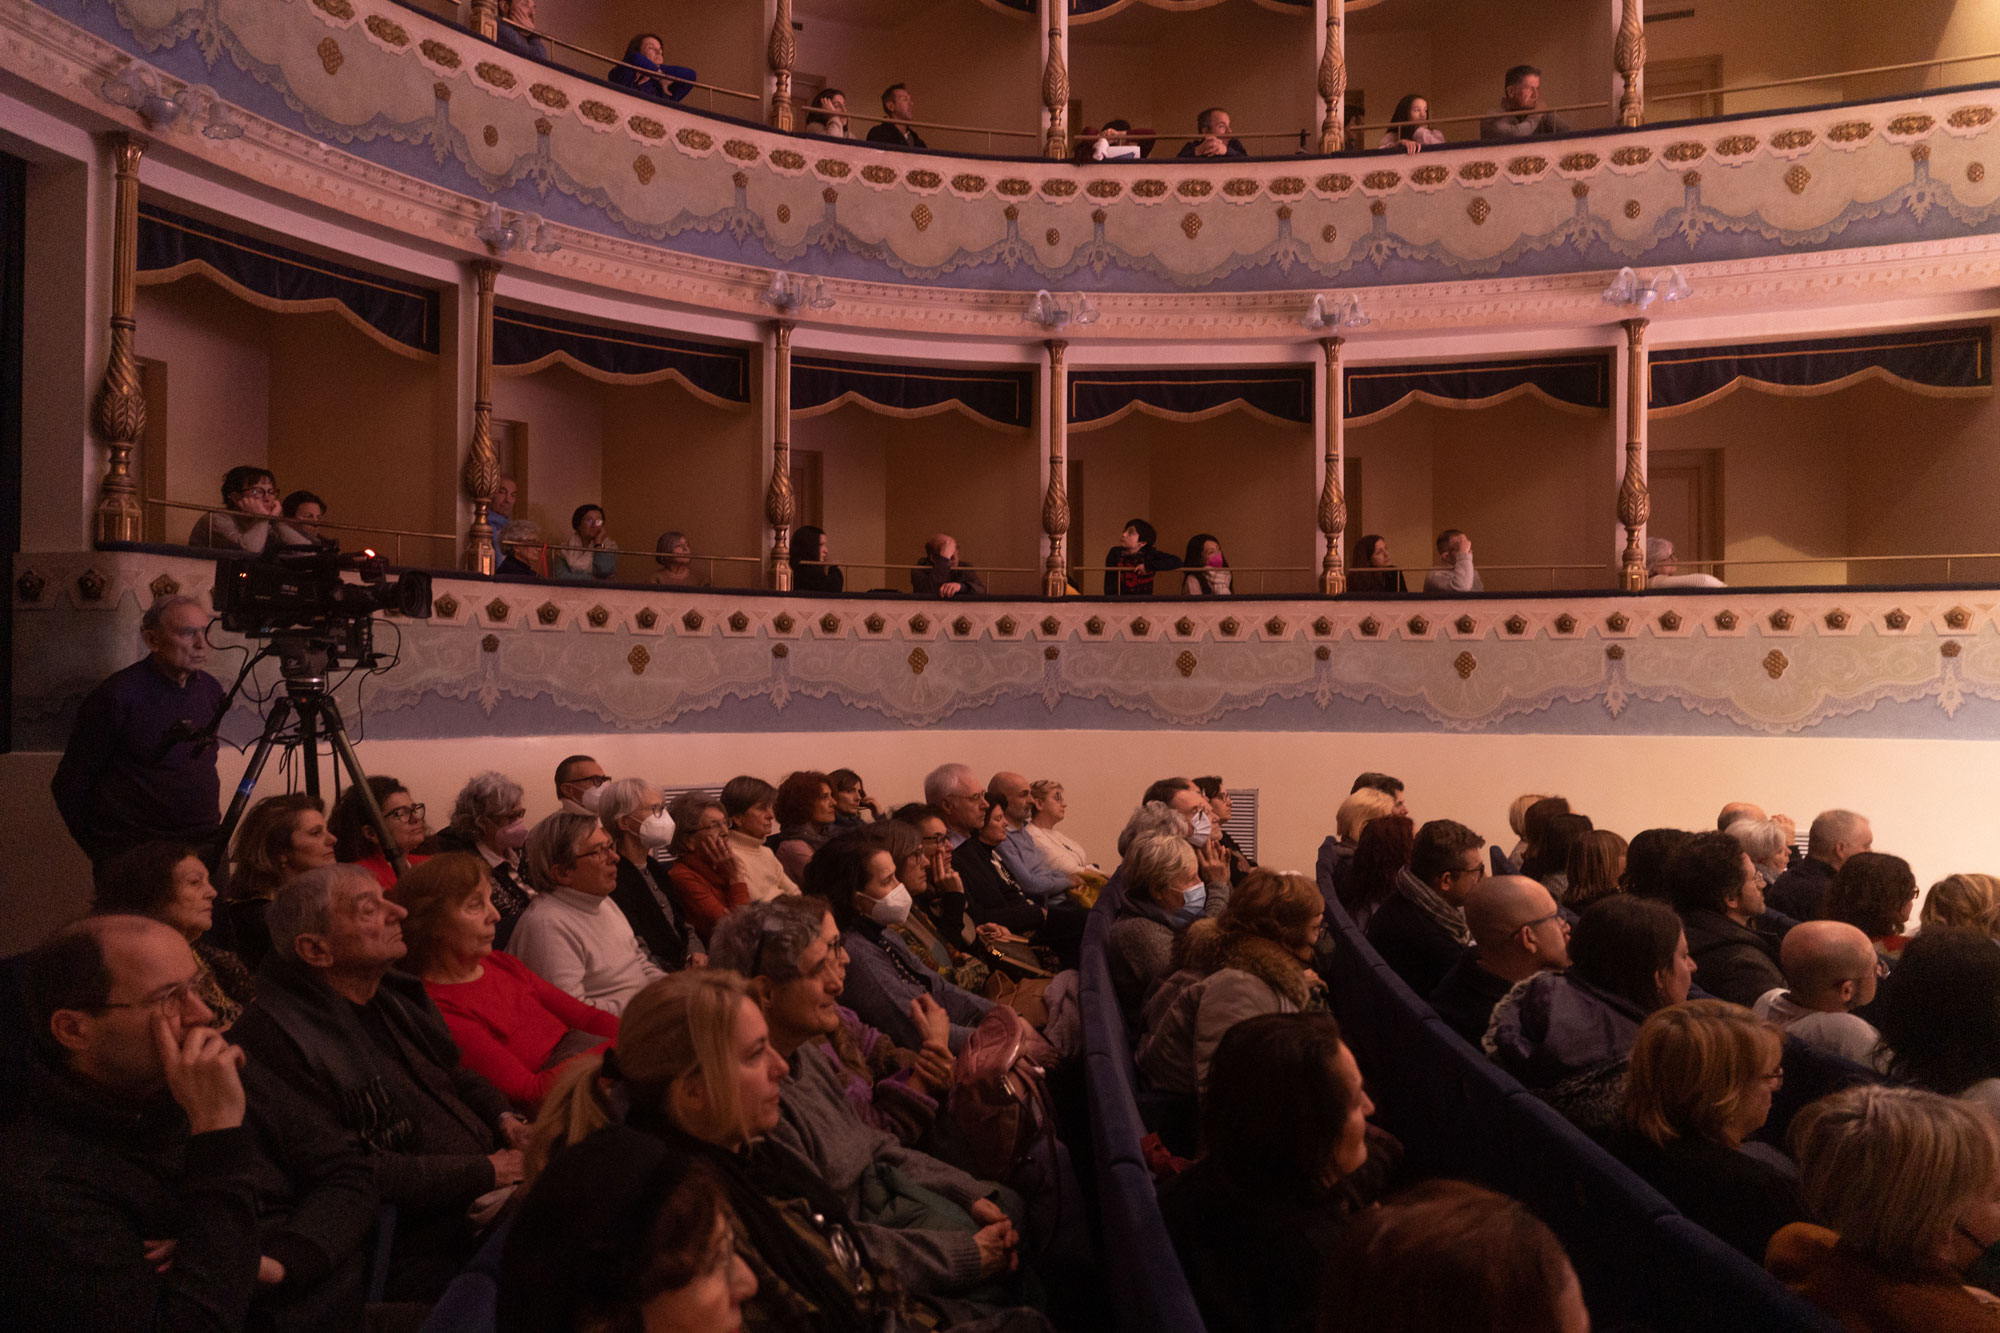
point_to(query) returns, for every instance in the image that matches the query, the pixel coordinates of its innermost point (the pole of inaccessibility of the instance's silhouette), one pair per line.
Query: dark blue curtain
(1284, 393)
(524, 339)
(1003, 397)
(1954, 362)
(1582, 381)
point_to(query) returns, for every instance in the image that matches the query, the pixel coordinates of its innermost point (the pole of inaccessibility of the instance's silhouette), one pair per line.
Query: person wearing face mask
(1186, 800)
(490, 819)
(1206, 569)
(1164, 895)
(580, 784)
(635, 815)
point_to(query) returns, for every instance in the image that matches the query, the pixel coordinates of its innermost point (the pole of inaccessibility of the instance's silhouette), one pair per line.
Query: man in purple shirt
(130, 773)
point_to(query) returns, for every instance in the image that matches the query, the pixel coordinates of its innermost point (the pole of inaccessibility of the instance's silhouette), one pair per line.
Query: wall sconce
(789, 293)
(140, 88)
(1334, 316)
(1627, 290)
(499, 234)
(1056, 313)
(545, 242)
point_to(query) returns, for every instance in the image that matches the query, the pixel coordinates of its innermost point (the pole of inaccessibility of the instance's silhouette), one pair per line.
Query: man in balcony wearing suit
(899, 107)
(1213, 127)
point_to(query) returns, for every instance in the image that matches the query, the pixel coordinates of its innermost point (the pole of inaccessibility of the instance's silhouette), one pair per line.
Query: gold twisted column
(1332, 496)
(1055, 505)
(1333, 80)
(1629, 56)
(1055, 83)
(119, 414)
(486, 18)
(783, 53)
(482, 462)
(1635, 501)
(778, 497)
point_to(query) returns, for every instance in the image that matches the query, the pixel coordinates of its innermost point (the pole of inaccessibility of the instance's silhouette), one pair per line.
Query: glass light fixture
(1056, 313)
(1335, 314)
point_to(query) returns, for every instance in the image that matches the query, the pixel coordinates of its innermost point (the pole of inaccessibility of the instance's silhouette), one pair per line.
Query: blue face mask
(1193, 901)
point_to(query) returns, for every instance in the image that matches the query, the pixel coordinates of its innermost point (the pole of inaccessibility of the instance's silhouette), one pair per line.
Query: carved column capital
(119, 413)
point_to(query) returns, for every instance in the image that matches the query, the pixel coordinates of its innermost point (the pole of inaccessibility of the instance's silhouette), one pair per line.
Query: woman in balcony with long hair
(1371, 570)
(644, 70)
(1205, 571)
(1409, 128)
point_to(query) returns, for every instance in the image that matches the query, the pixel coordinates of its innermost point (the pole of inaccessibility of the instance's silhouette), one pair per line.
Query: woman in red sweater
(706, 881)
(510, 1025)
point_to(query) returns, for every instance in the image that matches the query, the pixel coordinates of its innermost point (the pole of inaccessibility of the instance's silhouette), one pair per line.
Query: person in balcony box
(521, 549)
(592, 555)
(1113, 143)
(1213, 127)
(516, 34)
(939, 573)
(1409, 128)
(675, 557)
(1130, 566)
(828, 115)
(1520, 115)
(899, 108)
(645, 71)
(253, 521)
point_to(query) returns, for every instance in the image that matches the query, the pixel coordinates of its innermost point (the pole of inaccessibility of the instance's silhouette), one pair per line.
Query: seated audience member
(591, 554)
(623, 1232)
(132, 1146)
(353, 831)
(1701, 1083)
(521, 551)
(572, 935)
(939, 573)
(1220, 808)
(1662, 569)
(705, 880)
(1252, 959)
(1901, 1185)
(1336, 854)
(1537, 859)
(1288, 1165)
(1874, 891)
(634, 814)
(1205, 569)
(1454, 571)
(1940, 1016)
(1829, 973)
(935, 929)
(695, 1069)
(1560, 837)
(368, 1055)
(304, 511)
(884, 976)
(1019, 850)
(675, 557)
(1446, 1257)
(500, 512)
(994, 897)
(750, 805)
(1765, 843)
(1213, 127)
(1050, 807)
(1164, 895)
(1381, 859)
(1517, 932)
(1371, 570)
(1517, 817)
(1648, 860)
(898, 110)
(1520, 116)
(516, 34)
(253, 518)
(512, 1028)
(1113, 143)
(169, 883)
(580, 784)
(1568, 1035)
(805, 811)
(853, 807)
(1834, 836)
(646, 72)
(1596, 861)
(1720, 897)
(812, 567)
(280, 838)
(489, 818)
(1131, 565)
(1409, 128)
(1420, 929)
(1968, 901)
(827, 115)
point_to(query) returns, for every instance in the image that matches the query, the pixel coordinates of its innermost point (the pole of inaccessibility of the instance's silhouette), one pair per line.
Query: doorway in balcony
(1687, 506)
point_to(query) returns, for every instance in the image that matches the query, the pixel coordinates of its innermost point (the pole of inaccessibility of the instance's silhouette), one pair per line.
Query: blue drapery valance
(995, 397)
(1100, 397)
(525, 342)
(1939, 363)
(1082, 11)
(401, 316)
(1576, 383)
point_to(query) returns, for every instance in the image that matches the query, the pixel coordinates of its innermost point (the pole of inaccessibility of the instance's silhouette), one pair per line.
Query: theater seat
(470, 1302)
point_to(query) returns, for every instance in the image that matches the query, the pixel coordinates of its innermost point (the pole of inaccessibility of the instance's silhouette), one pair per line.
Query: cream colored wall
(672, 461)
(217, 353)
(561, 419)
(1117, 487)
(854, 493)
(1530, 485)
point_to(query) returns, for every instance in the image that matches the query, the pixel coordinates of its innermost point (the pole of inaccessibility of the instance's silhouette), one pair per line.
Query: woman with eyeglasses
(572, 934)
(1702, 1078)
(634, 814)
(252, 520)
(169, 883)
(354, 832)
(511, 1026)
(706, 881)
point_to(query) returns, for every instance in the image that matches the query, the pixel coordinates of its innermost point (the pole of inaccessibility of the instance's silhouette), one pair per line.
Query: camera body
(300, 593)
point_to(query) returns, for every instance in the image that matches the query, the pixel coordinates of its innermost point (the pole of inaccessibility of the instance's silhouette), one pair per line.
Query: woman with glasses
(705, 879)
(253, 519)
(511, 1026)
(572, 934)
(634, 814)
(489, 818)
(1702, 1078)
(169, 883)
(354, 832)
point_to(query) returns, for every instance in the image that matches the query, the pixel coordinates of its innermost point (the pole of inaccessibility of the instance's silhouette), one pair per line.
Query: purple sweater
(121, 783)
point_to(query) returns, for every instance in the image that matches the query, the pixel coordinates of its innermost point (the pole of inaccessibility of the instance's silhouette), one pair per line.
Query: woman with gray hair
(1154, 819)
(634, 813)
(1764, 842)
(1164, 895)
(572, 935)
(490, 820)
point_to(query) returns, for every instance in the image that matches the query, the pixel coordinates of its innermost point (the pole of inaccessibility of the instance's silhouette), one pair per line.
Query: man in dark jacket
(1719, 893)
(1518, 931)
(1421, 931)
(128, 1189)
(1835, 835)
(369, 1055)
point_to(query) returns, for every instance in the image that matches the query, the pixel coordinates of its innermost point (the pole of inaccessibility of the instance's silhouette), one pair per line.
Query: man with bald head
(1019, 851)
(1835, 835)
(1517, 931)
(128, 1188)
(1829, 973)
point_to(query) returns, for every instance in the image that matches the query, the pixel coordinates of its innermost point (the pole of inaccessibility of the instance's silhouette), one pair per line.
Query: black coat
(1734, 963)
(661, 931)
(1800, 891)
(1743, 1200)
(990, 892)
(1466, 996)
(1418, 949)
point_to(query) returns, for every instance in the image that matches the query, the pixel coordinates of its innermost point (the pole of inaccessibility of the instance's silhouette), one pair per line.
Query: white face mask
(1201, 827)
(590, 798)
(657, 831)
(892, 910)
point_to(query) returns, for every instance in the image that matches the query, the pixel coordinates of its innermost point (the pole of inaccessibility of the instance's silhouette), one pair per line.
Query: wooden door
(1686, 506)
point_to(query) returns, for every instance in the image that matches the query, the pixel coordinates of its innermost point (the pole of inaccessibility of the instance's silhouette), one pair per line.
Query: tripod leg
(309, 743)
(344, 757)
(273, 725)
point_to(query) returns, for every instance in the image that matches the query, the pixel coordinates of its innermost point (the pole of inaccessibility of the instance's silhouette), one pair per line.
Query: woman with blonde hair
(1517, 815)
(1701, 1082)
(1336, 854)
(1904, 1187)
(1970, 901)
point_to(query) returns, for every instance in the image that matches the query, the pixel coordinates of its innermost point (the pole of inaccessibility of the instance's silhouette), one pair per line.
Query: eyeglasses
(594, 780)
(1530, 925)
(711, 826)
(1476, 871)
(167, 1000)
(1776, 1078)
(410, 814)
(263, 492)
(936, 840)
(604, 851)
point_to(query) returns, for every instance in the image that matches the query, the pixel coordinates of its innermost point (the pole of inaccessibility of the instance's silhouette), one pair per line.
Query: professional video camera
(298, 592)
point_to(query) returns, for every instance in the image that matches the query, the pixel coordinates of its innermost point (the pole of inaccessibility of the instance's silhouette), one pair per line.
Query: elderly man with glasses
(1517, 931)
(572, 935)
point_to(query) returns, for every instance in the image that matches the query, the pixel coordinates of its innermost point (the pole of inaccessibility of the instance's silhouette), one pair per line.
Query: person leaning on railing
(594, 555)
(1409, 127)
(251, 495)
(516, 33)
(1213, 127)
(1518, 117)
(1371, 570)
(828, 116)
(646, 72)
